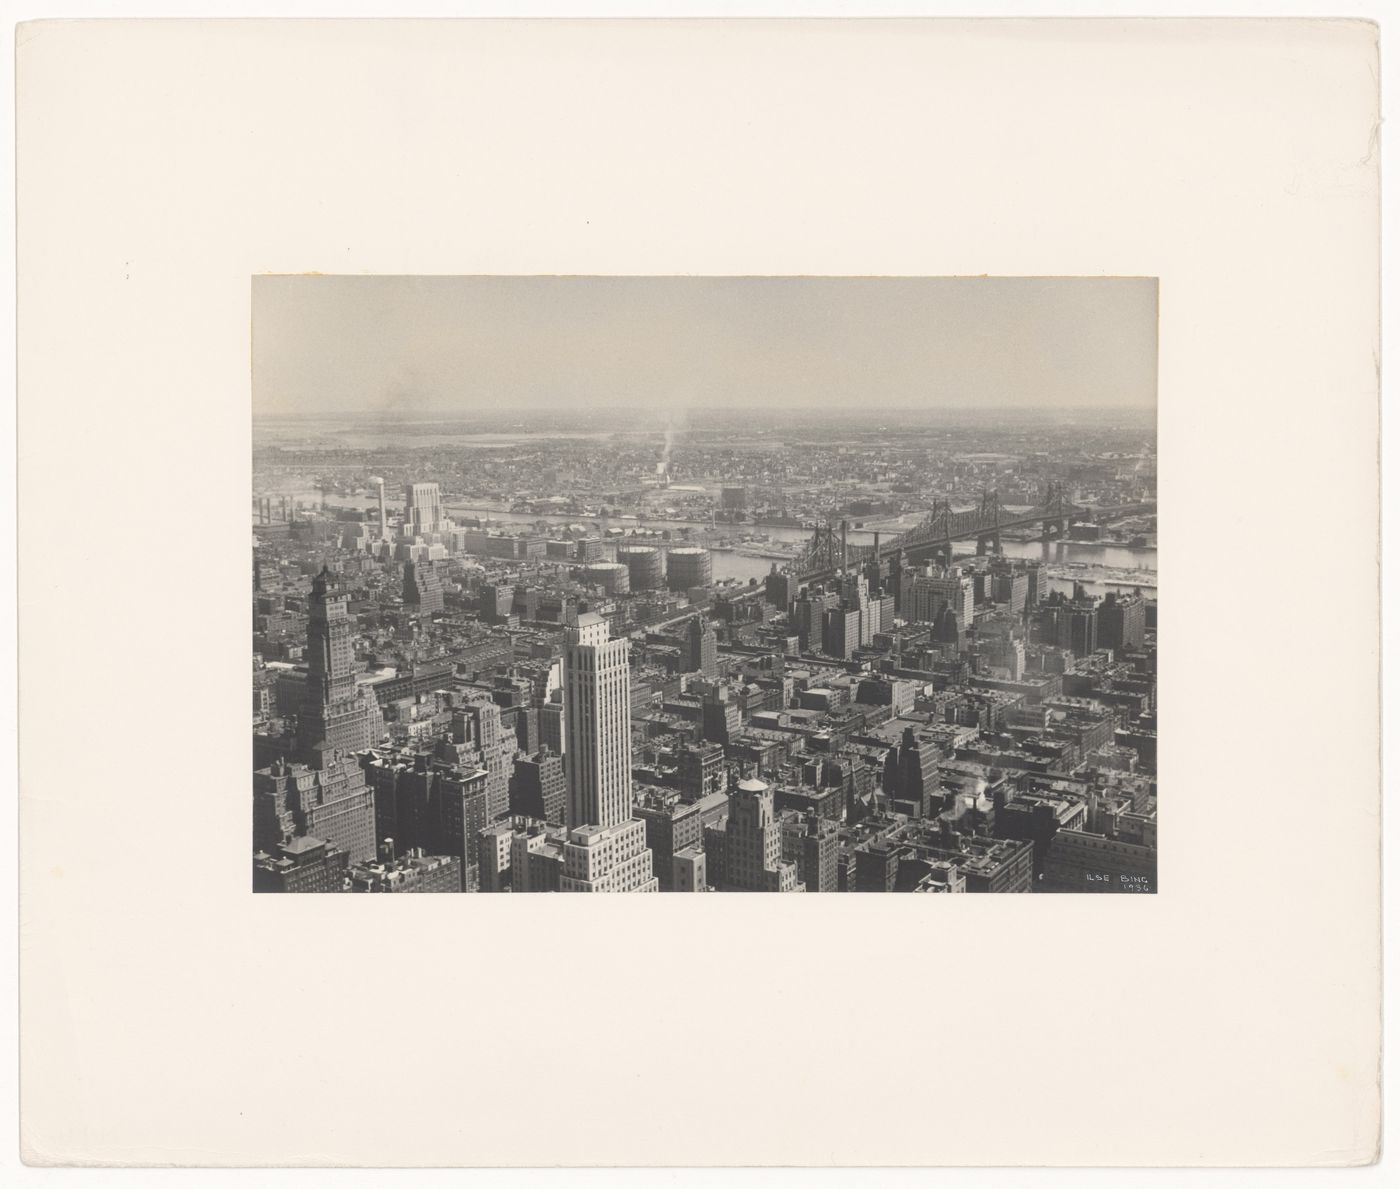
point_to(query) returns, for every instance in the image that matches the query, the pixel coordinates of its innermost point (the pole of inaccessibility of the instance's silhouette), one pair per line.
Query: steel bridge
(828, 551)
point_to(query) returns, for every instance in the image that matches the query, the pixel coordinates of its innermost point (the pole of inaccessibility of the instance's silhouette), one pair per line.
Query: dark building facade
(538, 788)
(1122, 624)
(877, 866)
(672, 825)
(332, 803)
(911, 776)
(422, 587)
(302, 864)
(812, 842)
(700, 647)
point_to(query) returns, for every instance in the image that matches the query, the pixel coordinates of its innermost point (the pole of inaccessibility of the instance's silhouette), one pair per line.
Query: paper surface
(170, 1017)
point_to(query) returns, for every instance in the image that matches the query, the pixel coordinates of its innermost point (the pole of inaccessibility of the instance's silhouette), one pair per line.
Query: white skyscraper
(426, 532)
(597, 722)
(423, 513)
(606, 850)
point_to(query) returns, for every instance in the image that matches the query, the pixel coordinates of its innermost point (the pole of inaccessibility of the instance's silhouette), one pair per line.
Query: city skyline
(765, 607)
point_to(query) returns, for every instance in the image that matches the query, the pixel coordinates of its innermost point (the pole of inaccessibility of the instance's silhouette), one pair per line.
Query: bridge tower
(824, 551)
(989, 521)
(1056, 521)
(941, 519)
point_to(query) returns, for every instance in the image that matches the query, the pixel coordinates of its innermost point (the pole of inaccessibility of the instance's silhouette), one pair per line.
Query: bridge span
(828, 551)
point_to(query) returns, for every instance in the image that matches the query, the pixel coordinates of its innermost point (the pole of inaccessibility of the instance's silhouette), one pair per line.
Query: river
(729, 564)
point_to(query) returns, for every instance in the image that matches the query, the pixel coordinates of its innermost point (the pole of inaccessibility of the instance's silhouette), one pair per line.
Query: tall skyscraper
(841, 632)
(422, 587)
(597, 708)
(700, 647)
(423, 516)
(426, 533)
(607, 848)
(335, 713)
(383, 513)
(855, 596)
(808, 615)
(325, 795)
(779, 589)
(330, 648)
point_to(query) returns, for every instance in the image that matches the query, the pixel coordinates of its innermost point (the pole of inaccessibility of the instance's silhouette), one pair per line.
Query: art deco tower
(336, 714)
(423, 511)
(597, 721)
(607, 847)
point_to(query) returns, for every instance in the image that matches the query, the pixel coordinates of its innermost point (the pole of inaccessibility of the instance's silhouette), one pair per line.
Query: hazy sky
(448, 345)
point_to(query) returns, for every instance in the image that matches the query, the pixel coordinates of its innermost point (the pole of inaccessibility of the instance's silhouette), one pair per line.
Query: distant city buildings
(612, 674)
(700, 647)
(422, 587)
(1122, 622)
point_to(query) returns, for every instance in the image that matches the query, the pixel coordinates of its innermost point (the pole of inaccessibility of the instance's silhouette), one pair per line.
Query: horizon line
(863, 411)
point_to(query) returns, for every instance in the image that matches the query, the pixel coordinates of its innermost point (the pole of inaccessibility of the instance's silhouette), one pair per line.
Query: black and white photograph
(693, 584)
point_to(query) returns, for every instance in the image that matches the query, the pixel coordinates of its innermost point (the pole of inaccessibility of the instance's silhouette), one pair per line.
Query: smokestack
(844, 553)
